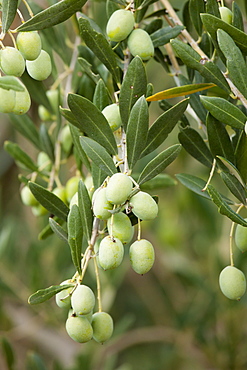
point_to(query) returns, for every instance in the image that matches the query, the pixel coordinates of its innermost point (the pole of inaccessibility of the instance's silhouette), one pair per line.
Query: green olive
(82, 300)
(79, 329)
(112, 114)
(71, 187)
(101, 206)
(27, 197)
(144, 206)
(63, 298)
(12, 62)
(60, 192)
(232, 282)
(140, 43)
(119, 226)
(141, 256)
(120, 24)
(7, 100)
(44, 162)
(29, 44)
(225, 14)
(22, 102)
(111, 252)
(241, 237)
(40, 68)
(118, 188)
(102, 324)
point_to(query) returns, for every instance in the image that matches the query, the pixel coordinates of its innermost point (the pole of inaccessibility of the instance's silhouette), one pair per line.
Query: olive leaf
(75, 236)
(43, 295)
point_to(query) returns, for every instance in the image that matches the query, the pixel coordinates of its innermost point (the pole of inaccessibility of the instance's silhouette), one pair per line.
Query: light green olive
(225, 14)
(140, 43)
(82, 300)
(111, 252)
(44, 114)
(241, 237)
(12, 62)
(232, 282)
(120, 24)
(63, 298)
(7, 100)
(66, 139)
(27, 197)
(102, 324)
(118, 188)
(29, 44)
(79, 329)
(141, 256)
(101, 206)
(40, 68)
(44, 162)
(119, 226)
(22, 102)
(60, 193)
(144, 206)
(39, 210)
(71, 187)
(112, 114)
(74, 200)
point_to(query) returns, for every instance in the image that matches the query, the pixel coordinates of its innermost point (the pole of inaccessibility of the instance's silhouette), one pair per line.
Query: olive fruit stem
(139, 230)
(210, 175)
(28, 8)
(96, 269)
(12, 38)
(235, 91)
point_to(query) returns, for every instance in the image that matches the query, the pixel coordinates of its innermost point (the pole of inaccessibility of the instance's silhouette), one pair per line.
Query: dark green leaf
(75, 236)
(68, 115)
(163, 125)
(53, 15)
(46, 142)
(219, 140)
(43, 295)
(53, 39)
(212, 24)
(11, 83)
(224, 111)
(50, 201)
(19, 155)
(87, 68)
(235, 187)
(195, 145)
(224, 208)
(235, 62)
(212, 7)
(27, 128)
(100, 47)
(75, 133)
(98, 175)
(85, 207)
(159, 163)
(133, 87)
(92, 122)
(231, 169)
(36, 90)
(98, 155)
(241, 156)
(58, 230)
(237, 18)
(137, 130)
(101, 96)
(195, 8)
(9, 8)
(165, 34)
(8, 353)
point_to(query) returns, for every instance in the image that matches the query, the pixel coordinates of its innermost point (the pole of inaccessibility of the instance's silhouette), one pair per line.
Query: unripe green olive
(241, 237)
(101, 206)
(66, 139)
(232, 282)
(39, 210)
(27, 197)
(29, 44)
(63, 298)
(89, 185)
(71, 187)
(82, 300)
(44, 114)
(144, 206)
(44, 162)
(60, 193)
(112, 114)
(118, 188)
(74, 200)
(120, 24)
(119, 226)
(12, 62)
(7, 100)
(141, 256)
(79, 329)
(225, 14)
(102, 324)
(111, 252)
(54, 98)
(40, 68)
(22, 102)
(140, 43)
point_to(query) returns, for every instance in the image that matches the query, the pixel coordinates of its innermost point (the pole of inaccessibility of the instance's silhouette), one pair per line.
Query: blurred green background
(175, 317)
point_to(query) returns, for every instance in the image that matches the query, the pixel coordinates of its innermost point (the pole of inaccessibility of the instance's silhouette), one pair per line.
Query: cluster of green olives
(232, 280)
(110, 202)
(28, 54)
(120, 26)
(82, 323)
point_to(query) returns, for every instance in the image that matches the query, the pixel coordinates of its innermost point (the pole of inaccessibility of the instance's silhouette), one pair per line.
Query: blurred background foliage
(175, 317)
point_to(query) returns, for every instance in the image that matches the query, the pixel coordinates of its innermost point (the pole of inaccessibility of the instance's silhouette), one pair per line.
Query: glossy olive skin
(101, 205)
(120, 24)
(119, 226)
(27, 197)
(63, 298)
(29, 44)
(12, 62)
(144, 206)
(112, 114)
(140, 43)
(232, 282)
(111, 252)
(40, 68)
(226, 14)
(241, 237)
(22, 102)
(79, 329)
(102, 324)
(141, 256)
(82, 300)
(118, 188)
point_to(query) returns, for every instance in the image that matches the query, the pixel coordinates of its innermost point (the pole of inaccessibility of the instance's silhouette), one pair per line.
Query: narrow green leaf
(27, 128)
(11, 83)
(137, 130)
(101, 96)
(8, 353)
(36, 90)
(75, 236)
(19, 155)
(237, 18)
(98, 155)
(163, 125)
(235, 187)
(224, 111)
(180, 91)
(53, 15)
(46, 142)
(9, 8)
(92, 122)
(85, 207)
(50, 201)
(212, 24)
(165, 34)
(224, 208)
(133, 87)
(43, 295)
(87, 68)
(212, 7)
(219, 140)
(159, 163)
(235, 62)
(75, 133)
(196, 7)
(58, 230)
(188, 55)
(231, 168)
(212, 73)
(68, 115)
(100, 47)
(98, 176)
(194, 144)
(241, 156)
